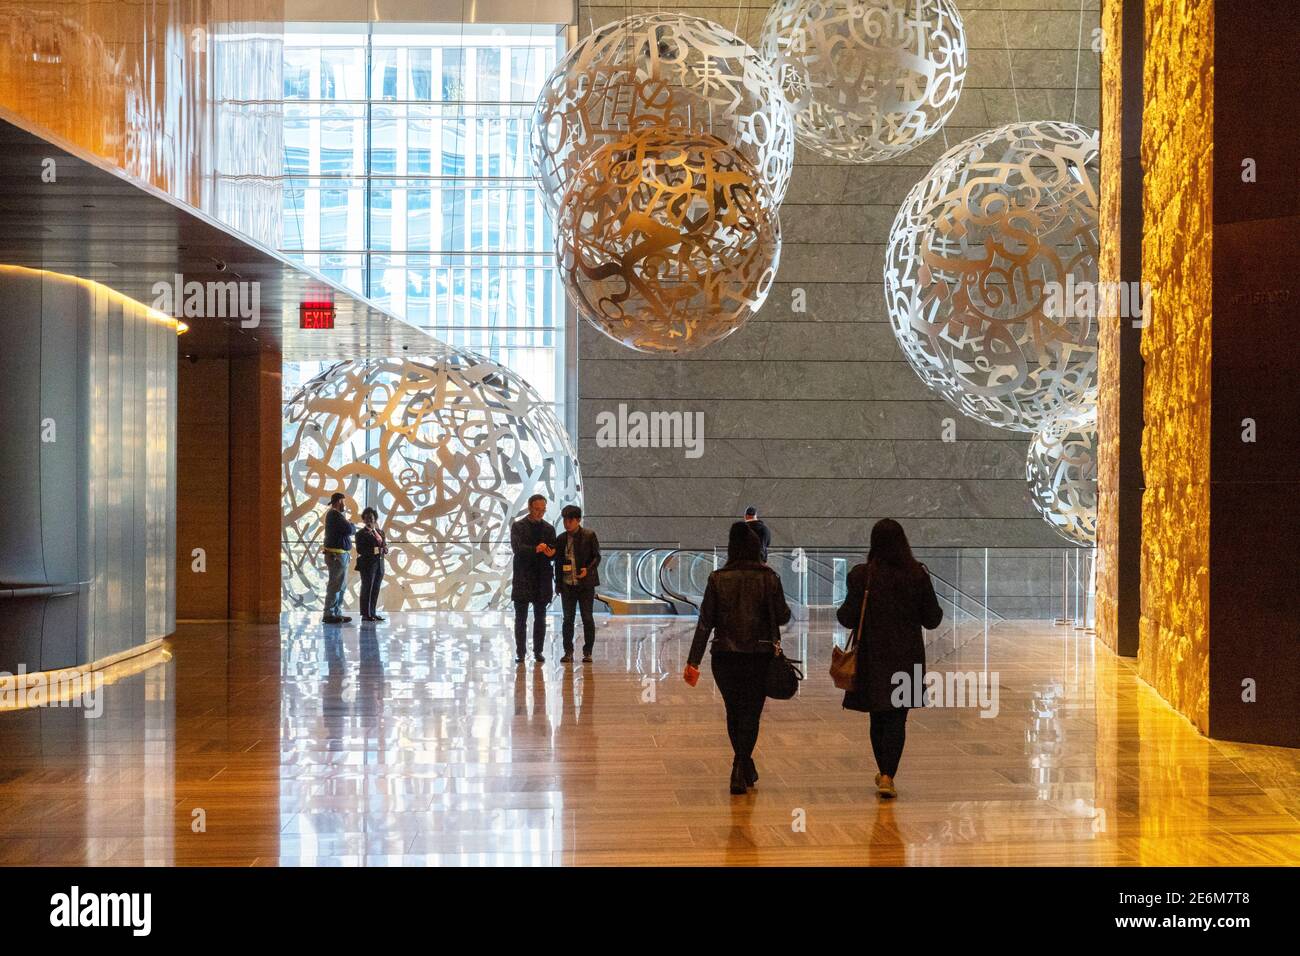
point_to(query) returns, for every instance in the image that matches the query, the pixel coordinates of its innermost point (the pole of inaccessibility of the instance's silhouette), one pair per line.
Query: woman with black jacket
(900, 602)
(744, 608)
(371, 549)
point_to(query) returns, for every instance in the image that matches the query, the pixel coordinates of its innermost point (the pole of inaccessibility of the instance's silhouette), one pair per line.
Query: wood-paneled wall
(228, 495)
(203, 490)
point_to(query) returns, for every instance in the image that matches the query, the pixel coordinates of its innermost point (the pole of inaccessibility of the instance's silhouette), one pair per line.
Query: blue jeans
(337, 565)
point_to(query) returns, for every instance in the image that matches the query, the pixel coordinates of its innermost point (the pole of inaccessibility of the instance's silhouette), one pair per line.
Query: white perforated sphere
(867, 80)
(448, 448)
(664, 71)
(979, 256)
(1061, 469)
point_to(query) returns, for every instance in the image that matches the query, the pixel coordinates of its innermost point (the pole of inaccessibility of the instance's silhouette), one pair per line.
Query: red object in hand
(692, 675)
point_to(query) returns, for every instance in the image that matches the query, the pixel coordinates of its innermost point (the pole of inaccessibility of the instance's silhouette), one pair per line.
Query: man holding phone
(532, 539)
(577, 556)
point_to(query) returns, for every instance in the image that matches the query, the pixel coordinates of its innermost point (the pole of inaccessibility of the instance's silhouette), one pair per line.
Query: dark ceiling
(96, 223)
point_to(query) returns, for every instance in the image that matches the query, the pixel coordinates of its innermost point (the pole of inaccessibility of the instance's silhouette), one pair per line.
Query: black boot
(738, 784)
(751, 772)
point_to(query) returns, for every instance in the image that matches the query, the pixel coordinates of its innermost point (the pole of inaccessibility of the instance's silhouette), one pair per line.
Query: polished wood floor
(421, 742)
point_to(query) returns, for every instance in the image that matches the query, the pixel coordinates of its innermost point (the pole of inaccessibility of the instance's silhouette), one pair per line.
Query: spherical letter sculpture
(662, 71)
(867, 80)
(1062, 473)
(448, 448)
(982, 268)
(667, 242)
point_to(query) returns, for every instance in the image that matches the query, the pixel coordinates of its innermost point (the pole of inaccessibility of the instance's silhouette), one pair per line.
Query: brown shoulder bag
(844, 663)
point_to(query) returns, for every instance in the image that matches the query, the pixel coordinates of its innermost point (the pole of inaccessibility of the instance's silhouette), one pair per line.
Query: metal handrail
(974, 600)
(646, 556)
(823, 576)
(67, 589)
(668, 588)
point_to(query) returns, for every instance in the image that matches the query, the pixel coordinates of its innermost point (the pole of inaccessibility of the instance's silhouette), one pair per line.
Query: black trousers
(888, 734)
(742, 679)
(521, 626)
(372, 579)
(573, 600)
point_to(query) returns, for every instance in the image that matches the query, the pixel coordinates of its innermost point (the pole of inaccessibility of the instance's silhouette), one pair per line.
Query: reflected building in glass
(408, 179)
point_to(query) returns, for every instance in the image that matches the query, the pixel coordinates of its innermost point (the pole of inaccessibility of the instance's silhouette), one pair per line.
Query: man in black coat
(577, 557)
(756, 525)
(532, 539)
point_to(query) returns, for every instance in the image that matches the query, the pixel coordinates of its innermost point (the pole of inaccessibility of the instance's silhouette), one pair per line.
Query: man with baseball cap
(338, 554)
(760, 529)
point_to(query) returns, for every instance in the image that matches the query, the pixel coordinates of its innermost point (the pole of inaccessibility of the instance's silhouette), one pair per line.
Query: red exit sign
(316, 315)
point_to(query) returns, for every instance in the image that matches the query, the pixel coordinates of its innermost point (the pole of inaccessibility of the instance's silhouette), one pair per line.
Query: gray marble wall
(815, 417)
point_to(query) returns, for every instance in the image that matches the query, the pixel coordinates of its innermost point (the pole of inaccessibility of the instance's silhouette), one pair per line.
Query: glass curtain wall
(408, 179)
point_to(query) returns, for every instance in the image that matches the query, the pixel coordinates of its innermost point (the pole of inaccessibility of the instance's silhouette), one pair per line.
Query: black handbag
(783, 676)
(783, 673)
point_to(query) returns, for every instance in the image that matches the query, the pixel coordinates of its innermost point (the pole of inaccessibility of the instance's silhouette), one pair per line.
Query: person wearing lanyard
(577, 556)
(338, 553)
(371, 548)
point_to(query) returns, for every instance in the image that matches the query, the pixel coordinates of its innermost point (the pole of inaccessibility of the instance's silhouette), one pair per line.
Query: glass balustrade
(973, 585)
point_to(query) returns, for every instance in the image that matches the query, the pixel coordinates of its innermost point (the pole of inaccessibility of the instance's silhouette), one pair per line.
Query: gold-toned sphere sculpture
(867, 80)
(664, 71)
(667, 241)
(1061, 469)
(983, 251)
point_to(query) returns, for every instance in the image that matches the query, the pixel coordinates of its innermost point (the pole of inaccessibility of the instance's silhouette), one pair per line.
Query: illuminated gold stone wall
(1108, 333)
(1177, 158)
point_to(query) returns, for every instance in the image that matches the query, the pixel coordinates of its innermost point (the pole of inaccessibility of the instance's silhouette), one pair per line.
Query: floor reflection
(421, 742)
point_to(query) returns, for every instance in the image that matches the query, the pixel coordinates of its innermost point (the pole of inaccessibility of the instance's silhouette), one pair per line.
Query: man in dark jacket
(577, 556)
(756, 525)
(338, 553)
(532, 539)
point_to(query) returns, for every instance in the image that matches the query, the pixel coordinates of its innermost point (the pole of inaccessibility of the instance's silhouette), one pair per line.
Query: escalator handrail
(812, 568)
(974, 600)
(942, 580)
(645, 556)
(668, 589)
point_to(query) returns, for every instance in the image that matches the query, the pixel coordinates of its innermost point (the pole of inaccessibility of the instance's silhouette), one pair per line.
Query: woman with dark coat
(744, 608)
(900, 602)
(371, 548)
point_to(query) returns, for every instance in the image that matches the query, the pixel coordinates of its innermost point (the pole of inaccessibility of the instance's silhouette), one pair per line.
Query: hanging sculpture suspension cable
(1078, 59)
(1011, 69)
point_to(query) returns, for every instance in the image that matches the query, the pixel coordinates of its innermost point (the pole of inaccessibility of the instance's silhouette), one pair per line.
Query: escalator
(682, 575)
(642, 594)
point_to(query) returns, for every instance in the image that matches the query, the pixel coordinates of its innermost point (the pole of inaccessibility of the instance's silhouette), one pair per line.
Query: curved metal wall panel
(88, 458)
